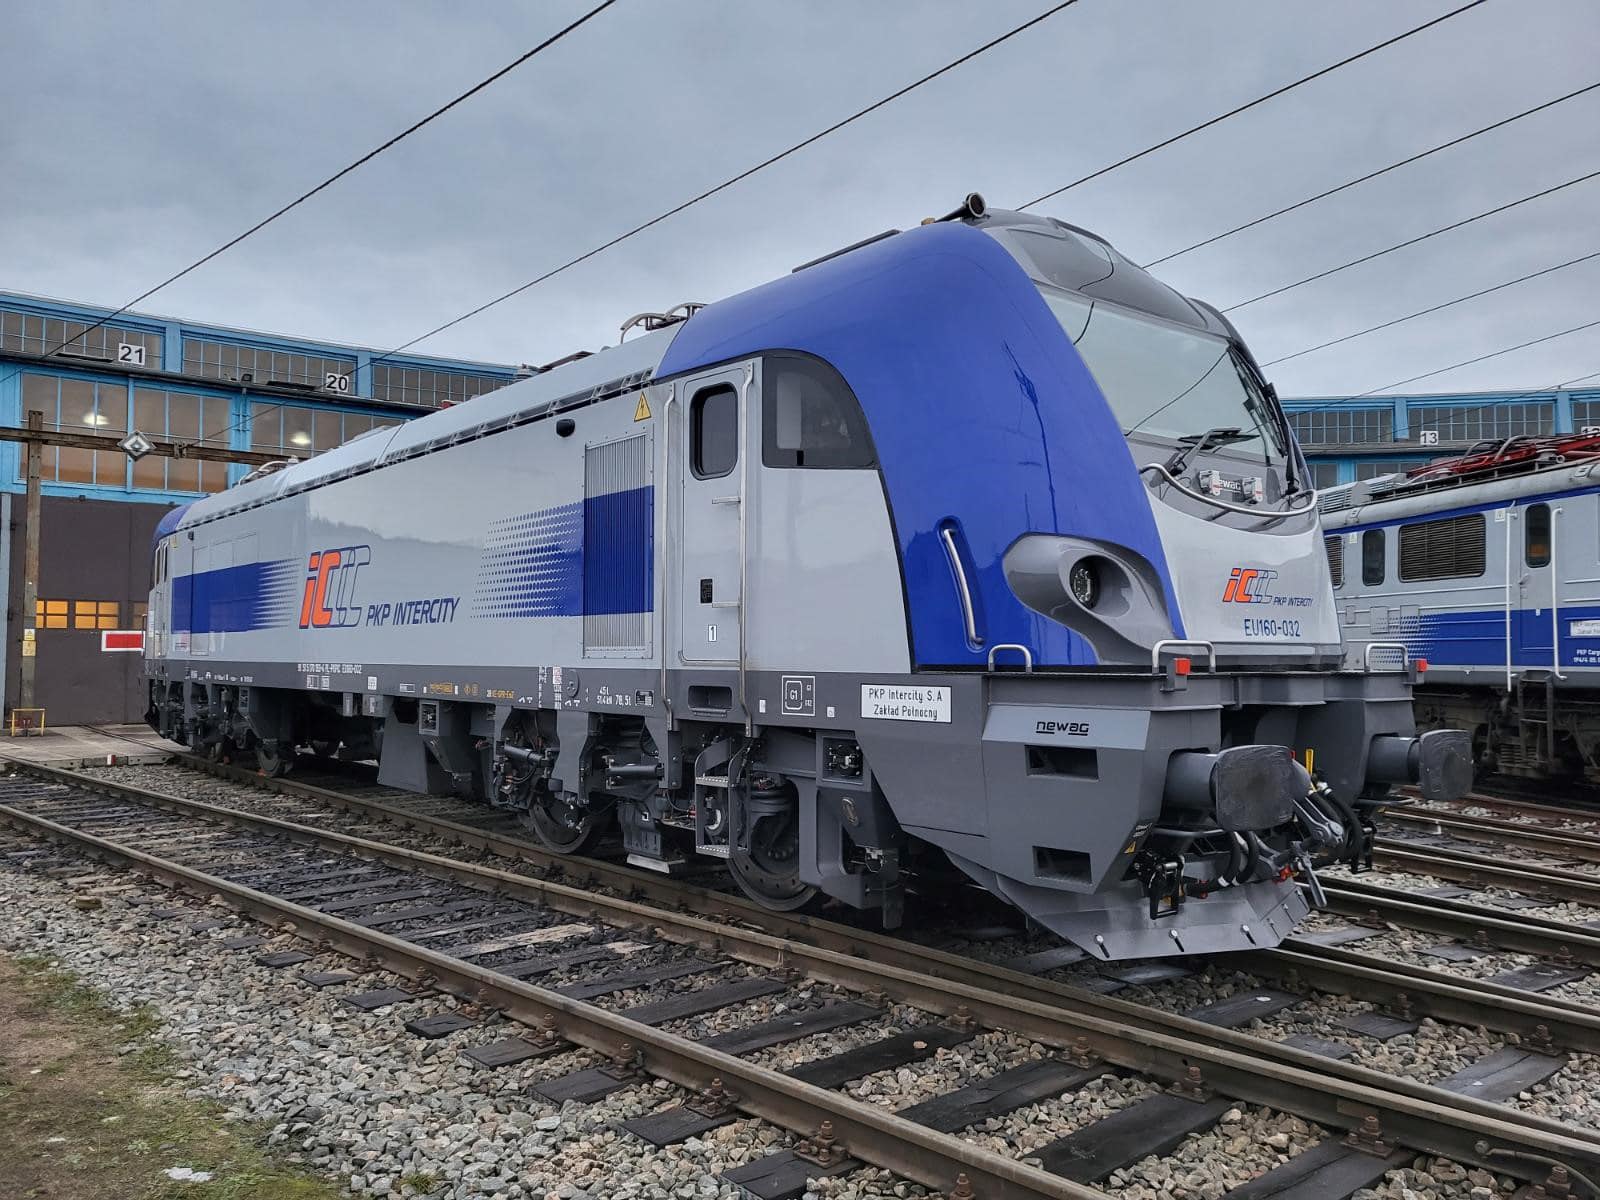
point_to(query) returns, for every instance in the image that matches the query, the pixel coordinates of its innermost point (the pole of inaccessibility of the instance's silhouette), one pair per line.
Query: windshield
(1167, 381)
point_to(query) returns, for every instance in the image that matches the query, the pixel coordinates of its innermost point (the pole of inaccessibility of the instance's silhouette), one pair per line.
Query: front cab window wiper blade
(1199, 443)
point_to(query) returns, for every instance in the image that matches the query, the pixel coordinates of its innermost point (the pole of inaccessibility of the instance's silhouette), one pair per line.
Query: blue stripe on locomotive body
(619, 558)
(981, 411)
(237, 599)
(1477, 638)
(588, 559)
(592, 558)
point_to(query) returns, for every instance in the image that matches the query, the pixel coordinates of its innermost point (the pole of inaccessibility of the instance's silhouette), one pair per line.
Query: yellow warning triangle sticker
(641, 410)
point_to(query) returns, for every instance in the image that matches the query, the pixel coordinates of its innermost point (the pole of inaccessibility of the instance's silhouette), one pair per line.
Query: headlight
(1084, 581)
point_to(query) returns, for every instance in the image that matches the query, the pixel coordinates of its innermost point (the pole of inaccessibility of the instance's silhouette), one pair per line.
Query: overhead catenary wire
(1370, 175)
(707, 194)
(1250, 104)
(1422, 312)
(504, 296)
(1549, 337)
(741, 176)
(309, 193)
(1432, 233)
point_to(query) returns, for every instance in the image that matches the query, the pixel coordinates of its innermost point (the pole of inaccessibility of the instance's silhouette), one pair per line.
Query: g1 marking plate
(891, 702)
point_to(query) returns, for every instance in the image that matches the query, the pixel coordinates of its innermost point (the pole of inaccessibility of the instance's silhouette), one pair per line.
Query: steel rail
(1584, 847)
(1382, 981)
(1479, 870)
(1410, 991)
(1155, 1043)
(1469, 922)
(868, 1132)
(1505, 804)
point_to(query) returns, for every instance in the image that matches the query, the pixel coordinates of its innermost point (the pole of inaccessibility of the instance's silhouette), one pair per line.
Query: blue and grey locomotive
(971, 546)
(1484, 564)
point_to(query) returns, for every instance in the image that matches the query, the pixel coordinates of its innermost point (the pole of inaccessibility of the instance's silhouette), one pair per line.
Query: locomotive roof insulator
(652, 321)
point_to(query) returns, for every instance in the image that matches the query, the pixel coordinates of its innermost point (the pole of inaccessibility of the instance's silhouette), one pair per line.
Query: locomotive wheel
(273, 758)
(560, 826)
(766, 863)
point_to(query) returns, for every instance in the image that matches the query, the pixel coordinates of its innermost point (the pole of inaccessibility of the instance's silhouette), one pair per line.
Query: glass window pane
(810, 417)
(75, 466)
(1372, 557)
(1536, 535)
(39, 393)
(715, 433)
(113, 405)
(150, 411)
(265, 422)
(77, 406)
(329, 431)
(150, 472)
(215, 420)
(297, 439)
(183, 474)
(111, 468)
(183, 417)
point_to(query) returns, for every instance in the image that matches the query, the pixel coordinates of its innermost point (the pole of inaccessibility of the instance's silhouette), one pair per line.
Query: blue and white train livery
(1487, 565)
(968, 552)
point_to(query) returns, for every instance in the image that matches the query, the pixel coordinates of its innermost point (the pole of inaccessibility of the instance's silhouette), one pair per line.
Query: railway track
(1325, 963)
(1093, 1032)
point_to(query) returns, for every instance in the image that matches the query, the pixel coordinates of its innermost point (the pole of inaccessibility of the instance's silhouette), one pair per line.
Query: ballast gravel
(354, 1096)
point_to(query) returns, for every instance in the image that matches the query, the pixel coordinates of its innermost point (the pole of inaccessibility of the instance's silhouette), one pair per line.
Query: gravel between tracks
(388, 1129)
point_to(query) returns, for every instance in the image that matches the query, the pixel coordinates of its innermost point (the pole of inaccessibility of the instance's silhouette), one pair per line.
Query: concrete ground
(80, 745)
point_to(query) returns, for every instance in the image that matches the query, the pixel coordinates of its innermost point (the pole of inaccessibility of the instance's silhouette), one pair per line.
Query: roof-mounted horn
(971, 209)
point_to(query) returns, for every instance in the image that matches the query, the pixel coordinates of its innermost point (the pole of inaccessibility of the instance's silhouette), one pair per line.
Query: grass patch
(83, 1116)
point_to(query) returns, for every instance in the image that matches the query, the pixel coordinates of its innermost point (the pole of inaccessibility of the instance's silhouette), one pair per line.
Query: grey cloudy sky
(137, 137)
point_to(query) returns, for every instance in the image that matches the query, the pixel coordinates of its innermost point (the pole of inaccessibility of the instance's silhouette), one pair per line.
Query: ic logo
(329, 599)
(1248, 585)
(1069, 728)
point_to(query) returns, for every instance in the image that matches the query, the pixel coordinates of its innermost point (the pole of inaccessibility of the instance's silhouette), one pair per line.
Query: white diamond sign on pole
(136, 445)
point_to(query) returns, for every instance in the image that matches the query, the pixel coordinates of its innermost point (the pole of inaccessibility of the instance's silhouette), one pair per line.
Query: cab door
(1534, 623)
(712, 441)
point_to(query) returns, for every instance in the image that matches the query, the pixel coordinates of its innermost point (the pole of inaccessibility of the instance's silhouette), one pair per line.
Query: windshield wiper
(1199, 443)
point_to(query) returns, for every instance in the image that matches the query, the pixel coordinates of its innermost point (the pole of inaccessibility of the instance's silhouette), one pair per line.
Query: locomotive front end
(1176, 794)
(1122, 707)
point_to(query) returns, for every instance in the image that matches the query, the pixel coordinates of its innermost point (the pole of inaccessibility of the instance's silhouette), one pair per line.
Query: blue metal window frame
(173, 334)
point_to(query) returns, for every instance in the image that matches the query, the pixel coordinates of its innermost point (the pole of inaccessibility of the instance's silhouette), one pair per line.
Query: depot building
(1350, 438)
(174, 381)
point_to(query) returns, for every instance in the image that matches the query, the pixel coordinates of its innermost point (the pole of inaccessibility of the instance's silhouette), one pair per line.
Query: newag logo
(1064, 728)
(1248, 585)
(329, 599)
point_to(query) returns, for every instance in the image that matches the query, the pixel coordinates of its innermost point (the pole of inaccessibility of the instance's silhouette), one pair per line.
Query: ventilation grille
(1452, 548)
(1337, 499)
(1335, 548)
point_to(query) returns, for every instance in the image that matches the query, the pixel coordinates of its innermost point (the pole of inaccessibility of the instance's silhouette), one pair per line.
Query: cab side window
(1372, 557)
(714, 432)
(809, 416)
(1536, 536)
